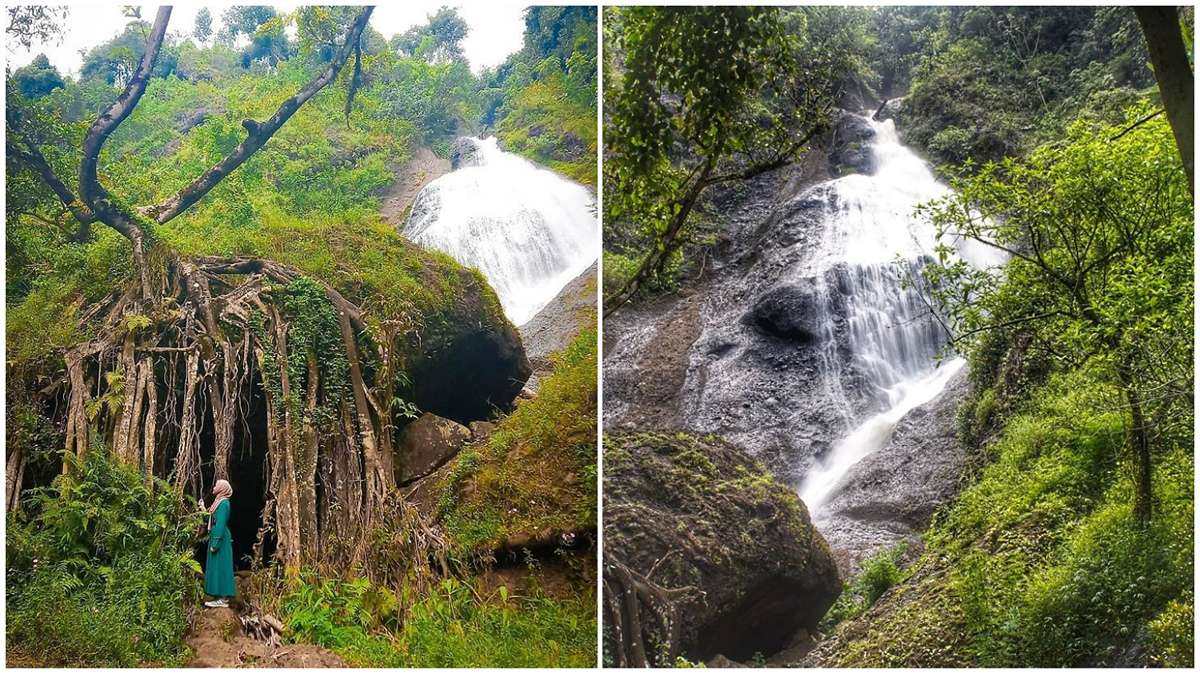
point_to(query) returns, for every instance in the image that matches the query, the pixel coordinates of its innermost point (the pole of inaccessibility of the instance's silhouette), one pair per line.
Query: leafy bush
(100, 569)
(333, 613)
(1172, 634)
(877, 574)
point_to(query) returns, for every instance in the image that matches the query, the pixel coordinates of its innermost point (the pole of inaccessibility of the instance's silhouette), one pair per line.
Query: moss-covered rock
(695, 512)
(531, 481)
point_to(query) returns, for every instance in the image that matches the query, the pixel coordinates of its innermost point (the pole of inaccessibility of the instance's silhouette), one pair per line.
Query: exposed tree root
(225, 325)
(641, 619)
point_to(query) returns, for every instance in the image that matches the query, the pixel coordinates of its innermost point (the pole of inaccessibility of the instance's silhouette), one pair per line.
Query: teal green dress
(218, 573)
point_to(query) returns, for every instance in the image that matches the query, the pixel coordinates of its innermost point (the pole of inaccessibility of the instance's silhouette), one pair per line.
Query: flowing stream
(871, 240)
(527, 229)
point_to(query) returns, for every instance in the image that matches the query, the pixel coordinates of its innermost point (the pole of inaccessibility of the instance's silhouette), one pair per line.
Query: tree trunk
(77, 422)
(306, 477)
(1164, 41)
(14, 473)
(1139, 444)
(187, 456)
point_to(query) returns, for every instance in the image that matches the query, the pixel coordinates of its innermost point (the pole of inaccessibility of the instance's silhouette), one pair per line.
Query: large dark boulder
(697, 513)
(792, 311)
(426, 444)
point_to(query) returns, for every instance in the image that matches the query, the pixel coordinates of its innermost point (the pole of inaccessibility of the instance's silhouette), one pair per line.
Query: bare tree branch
(32, 156)
(259, 133)
(94, 194)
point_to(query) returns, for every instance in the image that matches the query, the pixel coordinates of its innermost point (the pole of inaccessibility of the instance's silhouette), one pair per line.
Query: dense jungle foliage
(101, 569)
(1072, 542)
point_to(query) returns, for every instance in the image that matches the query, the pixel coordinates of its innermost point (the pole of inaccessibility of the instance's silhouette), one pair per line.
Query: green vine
(313, 327)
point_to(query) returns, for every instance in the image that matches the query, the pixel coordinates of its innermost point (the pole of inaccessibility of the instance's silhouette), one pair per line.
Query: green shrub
(876, 575)
(450, 627)
(100, 569)
(1172, 634)
(1049, 565)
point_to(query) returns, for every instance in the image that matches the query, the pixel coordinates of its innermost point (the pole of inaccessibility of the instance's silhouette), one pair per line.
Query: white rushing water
(527, 229)
(874, 238)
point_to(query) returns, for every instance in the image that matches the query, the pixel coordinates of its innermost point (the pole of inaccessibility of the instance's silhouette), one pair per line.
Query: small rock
(481, 430)
(426, 444)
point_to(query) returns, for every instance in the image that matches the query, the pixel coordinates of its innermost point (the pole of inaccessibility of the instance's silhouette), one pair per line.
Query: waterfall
(527, 229)
(871, 240)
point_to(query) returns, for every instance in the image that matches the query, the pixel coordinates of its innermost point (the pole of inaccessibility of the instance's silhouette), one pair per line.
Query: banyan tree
(292, 387)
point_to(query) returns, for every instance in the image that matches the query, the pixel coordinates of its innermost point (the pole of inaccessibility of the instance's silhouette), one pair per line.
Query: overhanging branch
(259, 132)
(32, 156)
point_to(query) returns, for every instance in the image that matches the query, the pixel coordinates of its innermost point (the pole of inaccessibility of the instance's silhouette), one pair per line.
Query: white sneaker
(215, 604)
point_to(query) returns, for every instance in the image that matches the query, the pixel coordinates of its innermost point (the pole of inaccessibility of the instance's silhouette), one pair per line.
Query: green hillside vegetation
(101, 570)
(983, 83)
(535, 477)
(547, 92)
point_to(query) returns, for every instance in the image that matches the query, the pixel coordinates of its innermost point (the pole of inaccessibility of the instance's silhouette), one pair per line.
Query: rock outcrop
(472, 364)
(556, 324)
(696, 513)
(791, 311)
(850, 150)
(463, 153)
(414, 174)
(891, 495)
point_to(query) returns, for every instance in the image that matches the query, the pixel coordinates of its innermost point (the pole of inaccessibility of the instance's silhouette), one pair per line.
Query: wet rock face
(463, 153)
(426, 444)
(697, 512)
(737, 356)
(891, 495)
(891, 110)
(555, 326)
(851, 151)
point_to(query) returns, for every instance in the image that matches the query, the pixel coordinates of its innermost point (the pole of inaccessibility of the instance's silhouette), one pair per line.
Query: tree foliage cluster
(542, 100)
(699, 97)
(988, 82)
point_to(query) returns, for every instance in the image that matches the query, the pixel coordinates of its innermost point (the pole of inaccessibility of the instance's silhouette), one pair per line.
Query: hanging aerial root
(223, 324)
(641, 619)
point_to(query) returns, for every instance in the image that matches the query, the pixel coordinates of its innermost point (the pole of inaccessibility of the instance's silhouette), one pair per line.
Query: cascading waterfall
(527, 229)
(871, 240)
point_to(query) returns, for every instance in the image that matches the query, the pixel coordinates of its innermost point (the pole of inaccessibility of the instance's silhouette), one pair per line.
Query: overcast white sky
(495, 32)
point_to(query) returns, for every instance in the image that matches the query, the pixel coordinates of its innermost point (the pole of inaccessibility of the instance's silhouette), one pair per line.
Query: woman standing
(218, 573)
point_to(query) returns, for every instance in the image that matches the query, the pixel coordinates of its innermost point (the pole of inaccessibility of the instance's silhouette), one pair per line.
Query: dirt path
(217, 641)
(411, 176)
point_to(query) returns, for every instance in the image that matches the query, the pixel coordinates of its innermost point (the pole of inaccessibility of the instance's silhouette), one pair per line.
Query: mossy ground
(537, 472)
